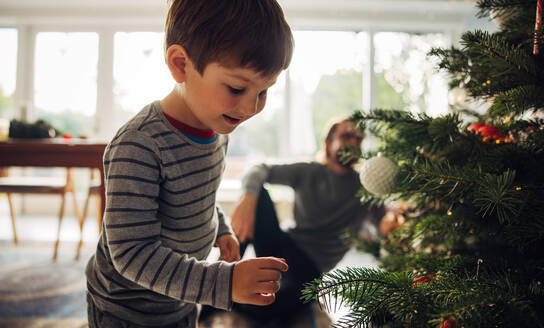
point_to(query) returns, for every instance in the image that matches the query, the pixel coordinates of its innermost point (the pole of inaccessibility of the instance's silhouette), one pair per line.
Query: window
(326, 82)
(8, 67)
(65, 80)
(140, 73)
(406, 78)
(321, 83)
(260, 136)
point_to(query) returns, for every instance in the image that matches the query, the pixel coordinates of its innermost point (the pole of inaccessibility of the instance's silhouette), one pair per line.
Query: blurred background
(86, 67)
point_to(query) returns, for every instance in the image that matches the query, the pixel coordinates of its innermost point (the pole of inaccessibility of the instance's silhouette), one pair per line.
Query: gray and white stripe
(160, 223)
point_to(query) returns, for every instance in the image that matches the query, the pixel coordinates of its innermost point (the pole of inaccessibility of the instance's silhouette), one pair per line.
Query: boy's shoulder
(143, 120)
(140, 129)
(150, 126)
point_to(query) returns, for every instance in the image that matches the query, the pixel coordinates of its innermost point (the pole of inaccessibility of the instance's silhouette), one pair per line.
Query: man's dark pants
(270, 240)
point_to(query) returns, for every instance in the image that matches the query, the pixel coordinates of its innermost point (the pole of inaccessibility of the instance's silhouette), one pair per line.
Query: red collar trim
(199, 133)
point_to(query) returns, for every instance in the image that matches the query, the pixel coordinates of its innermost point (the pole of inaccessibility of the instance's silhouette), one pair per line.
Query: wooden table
(56, 152)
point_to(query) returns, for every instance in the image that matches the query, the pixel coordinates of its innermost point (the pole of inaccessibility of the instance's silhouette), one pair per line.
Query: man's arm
(286, 174)
(243, 216)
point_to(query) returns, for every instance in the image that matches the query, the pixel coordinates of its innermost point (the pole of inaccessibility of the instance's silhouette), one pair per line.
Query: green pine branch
(518, 100)
(500, 8)
(496, 194)
(477, 227)
(498, 47)
(480, 298)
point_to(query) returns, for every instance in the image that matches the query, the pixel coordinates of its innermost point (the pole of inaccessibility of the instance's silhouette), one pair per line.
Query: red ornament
(488, 132)
(491, 131)
(448, 323)
(423, 279)
(475, 127)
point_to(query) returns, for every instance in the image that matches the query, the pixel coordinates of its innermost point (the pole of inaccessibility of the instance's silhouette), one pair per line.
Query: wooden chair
(94, 191)
(38, 185)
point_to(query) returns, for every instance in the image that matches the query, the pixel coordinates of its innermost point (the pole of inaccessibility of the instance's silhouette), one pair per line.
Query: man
(325, 206)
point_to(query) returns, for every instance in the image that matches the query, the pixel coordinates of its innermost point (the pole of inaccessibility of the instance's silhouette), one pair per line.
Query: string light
(488, 82)
(449, 213)
(518, 188)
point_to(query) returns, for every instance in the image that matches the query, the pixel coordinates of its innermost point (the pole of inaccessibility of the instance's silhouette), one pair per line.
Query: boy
(164, 166)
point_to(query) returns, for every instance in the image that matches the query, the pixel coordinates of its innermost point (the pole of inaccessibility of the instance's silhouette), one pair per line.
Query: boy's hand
(255, 281)
(243, 217)
(229, 248)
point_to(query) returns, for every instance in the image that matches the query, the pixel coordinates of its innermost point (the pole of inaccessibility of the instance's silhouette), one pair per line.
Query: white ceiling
(407, 15)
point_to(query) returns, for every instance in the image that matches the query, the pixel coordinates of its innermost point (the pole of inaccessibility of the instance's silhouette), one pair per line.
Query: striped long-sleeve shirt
(160, 224)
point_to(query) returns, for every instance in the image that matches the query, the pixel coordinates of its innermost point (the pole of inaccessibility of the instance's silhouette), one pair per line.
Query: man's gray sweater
(160, 224)
(325, 206)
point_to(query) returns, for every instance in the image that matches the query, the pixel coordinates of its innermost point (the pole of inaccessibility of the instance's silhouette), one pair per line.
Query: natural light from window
(8, 69)
(326, 83)
(139, 71)
(406, 77)
(65, 80)
(323, 82)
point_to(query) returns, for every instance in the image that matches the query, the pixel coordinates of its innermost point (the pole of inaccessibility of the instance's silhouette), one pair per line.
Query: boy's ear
(177, 61)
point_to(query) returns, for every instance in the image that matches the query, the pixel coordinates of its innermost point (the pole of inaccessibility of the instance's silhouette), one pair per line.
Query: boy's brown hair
(243, 33)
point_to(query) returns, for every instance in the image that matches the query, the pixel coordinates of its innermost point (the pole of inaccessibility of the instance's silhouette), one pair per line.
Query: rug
(37, 292)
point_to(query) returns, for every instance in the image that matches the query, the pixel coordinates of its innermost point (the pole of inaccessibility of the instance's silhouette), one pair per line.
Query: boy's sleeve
(224, 227)
(287, 174)
(133, 231)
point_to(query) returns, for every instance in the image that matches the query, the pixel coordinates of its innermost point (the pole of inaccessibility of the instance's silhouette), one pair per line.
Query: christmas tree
(471, 254)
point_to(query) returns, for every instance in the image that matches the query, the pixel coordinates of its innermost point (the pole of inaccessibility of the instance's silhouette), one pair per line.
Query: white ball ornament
(377, 175)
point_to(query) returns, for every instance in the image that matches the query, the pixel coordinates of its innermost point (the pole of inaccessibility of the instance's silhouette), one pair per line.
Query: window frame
(24, 91)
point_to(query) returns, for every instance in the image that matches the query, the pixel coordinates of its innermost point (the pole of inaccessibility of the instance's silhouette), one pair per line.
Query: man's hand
(243, 217)
(390, 222)
(255, 281)
(229, 248)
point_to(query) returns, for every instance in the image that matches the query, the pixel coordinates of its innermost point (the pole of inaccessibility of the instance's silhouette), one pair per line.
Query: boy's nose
(249, 107)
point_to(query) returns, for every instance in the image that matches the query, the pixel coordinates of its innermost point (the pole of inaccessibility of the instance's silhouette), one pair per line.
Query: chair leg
(61, 216)
(99, 218)
(81, 221)
(13, 225)
(71, 188)
(78, 251)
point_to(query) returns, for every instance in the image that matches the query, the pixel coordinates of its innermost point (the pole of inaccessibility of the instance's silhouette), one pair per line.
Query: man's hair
(332, 126)
(243, 33)
(328, 130)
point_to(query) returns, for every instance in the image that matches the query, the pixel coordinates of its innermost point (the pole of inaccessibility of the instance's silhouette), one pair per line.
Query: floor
(43, 228)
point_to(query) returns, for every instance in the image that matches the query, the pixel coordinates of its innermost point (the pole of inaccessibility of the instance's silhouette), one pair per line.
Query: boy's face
(223, 97)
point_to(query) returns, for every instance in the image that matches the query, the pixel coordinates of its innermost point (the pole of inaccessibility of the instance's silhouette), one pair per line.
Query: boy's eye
(235, 91)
